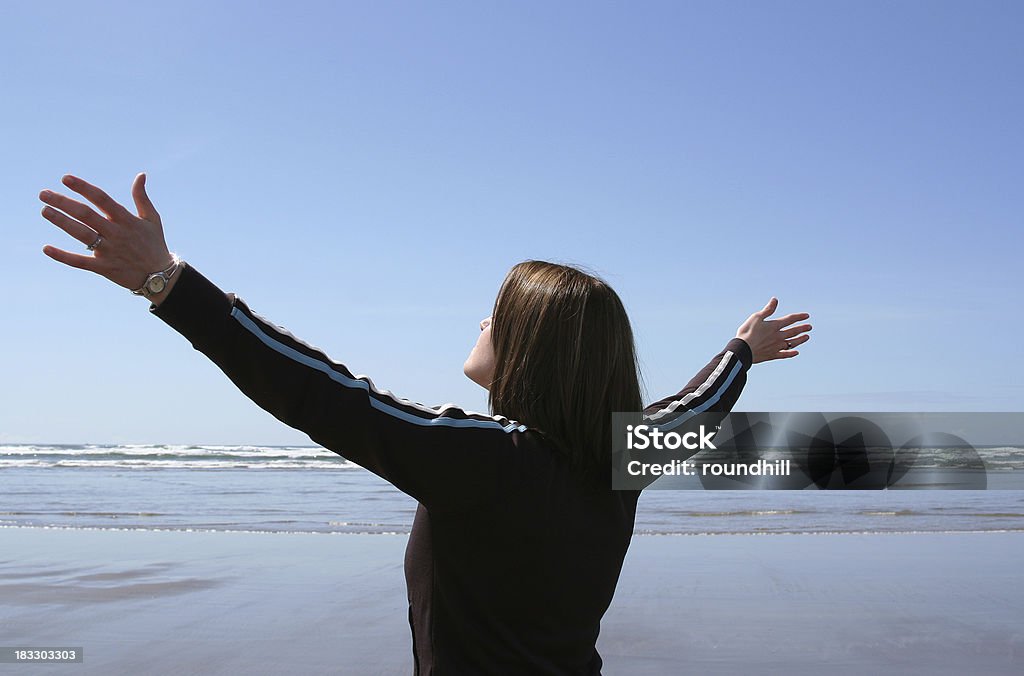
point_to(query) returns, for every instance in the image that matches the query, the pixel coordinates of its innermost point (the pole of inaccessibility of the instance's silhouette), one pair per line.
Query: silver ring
(789, 345)
(92, 247)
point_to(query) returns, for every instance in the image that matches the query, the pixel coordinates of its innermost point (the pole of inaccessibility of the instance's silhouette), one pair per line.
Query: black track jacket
(512, 561)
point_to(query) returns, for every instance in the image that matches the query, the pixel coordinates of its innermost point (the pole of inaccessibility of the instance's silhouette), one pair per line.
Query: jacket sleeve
(714, 389)
(445, 457)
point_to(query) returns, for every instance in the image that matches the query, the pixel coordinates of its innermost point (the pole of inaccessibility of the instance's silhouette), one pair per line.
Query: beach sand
(144, 602)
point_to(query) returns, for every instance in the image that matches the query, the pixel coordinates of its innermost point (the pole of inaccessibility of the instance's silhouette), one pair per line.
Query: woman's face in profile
(479, 366)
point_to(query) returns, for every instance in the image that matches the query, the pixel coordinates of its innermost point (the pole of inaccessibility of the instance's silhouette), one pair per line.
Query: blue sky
(364, 174)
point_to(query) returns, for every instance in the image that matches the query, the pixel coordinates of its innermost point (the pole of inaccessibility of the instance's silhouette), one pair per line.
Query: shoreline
(642, 534)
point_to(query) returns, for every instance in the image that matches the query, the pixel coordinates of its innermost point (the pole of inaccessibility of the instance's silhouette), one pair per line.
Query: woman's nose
(485, 323)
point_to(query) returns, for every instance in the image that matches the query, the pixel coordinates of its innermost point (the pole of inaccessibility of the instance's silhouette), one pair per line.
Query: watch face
(156, 284)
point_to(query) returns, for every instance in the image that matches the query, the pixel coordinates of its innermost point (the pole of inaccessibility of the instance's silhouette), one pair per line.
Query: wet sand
(231, 603)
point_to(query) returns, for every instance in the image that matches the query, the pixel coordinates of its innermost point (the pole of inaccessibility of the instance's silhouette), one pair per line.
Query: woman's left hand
(774, 338)
(126, 247)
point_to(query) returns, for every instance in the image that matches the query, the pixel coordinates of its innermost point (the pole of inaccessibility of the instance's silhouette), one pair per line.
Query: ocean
(307, 489)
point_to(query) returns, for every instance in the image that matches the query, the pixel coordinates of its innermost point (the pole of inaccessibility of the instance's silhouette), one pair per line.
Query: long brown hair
(565, 359)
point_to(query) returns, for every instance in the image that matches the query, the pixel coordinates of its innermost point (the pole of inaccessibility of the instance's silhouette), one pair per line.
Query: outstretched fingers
(125, 247)
(787, 351)
(795, 331)
(791, 319)
(799, 340)
(83, 233)
(74, 260)
(77, 210)
(101, 199)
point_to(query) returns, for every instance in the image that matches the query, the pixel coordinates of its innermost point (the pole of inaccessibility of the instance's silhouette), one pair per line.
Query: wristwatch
(157, 281)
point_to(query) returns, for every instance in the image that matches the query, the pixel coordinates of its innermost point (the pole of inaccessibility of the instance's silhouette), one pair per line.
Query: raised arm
(445, 457)
(717, 386)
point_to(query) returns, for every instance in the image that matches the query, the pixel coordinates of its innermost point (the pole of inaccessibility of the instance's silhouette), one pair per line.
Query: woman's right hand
(774, 338)
(127, 247)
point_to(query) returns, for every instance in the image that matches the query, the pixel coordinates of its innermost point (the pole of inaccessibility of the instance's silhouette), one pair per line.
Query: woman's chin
(471, 373)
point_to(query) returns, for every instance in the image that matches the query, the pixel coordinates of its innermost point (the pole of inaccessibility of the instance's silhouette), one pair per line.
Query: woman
(518, 539)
